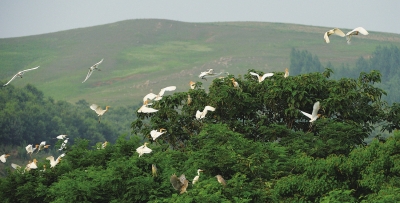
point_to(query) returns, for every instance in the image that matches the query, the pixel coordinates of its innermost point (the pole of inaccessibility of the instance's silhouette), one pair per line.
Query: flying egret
(286, 73)
(4, 157)
(153, 170)
(162, 91)
(261, 78)
(30, 150)
(195, 179)
(356, 31)
(63, 145)
(208, 73)
(53, 162)
(149, 96)
(192, 85)
(61, 137)
(314, 114)
(143, 149)
(42, 145)
(221, 180)
(99, 110)
(234, 83)
(335, 31)
(91, 69)
(19, 74)
(155, 134)
(202, 114)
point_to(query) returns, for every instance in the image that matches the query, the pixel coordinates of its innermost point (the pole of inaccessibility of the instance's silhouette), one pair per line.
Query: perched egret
(30, 150)
(208, 73)
(153, 170)
(162, 91)
(145, 109)
(335, 31)
(61, 137)
(19, 74)
(356, 31)
(63, 145)
(91, 69)
(221, 180)
(143, 149)
(4, 157)
(195, 179)
(32, 165)
(189, 100)
(234, 83)
(202, 114)
(314, 114)
(155, 134)
(104, 145)
(261, 78)
(42, 145)
(192, 85)
(286, 73)
(99, 110)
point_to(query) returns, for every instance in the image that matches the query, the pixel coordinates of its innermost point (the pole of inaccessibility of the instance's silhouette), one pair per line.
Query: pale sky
(32, 17)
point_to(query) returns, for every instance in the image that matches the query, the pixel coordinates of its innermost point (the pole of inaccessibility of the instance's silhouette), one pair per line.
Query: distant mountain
(146, 55)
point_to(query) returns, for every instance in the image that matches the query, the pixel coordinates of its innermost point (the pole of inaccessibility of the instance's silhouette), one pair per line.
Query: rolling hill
(142, 56)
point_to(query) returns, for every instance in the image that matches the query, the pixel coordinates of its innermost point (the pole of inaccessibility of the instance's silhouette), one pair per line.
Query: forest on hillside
(257, 139)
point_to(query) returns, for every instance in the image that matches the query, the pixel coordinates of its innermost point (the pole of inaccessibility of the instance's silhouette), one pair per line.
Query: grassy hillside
(141, 56)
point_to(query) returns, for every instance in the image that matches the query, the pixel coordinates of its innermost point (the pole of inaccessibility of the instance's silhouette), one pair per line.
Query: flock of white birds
(178, 183)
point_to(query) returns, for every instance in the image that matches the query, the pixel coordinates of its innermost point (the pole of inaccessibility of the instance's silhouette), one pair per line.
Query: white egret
(61, 137)
(53, 162)
(42, 145)
(356, 31)
(195, 179)
(64, 145)
(192, 85)
(16, 166)
(145, 109)
(30, 150)
(261, 78)
(202, 114)
(104, 145)
(208, 73)
(234, 83)
(286, 73)
(335, 31)
(314, 114)
(19, 74)
(143, 149)
(100, 112)
(3, 158)
(155, 134)
(32, 165)
(153, 170)
(149, 96)
(162, 91)
(221, 180)
(91, 69)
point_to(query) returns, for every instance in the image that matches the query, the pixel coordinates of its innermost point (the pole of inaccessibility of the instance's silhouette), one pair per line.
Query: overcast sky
(32, 17)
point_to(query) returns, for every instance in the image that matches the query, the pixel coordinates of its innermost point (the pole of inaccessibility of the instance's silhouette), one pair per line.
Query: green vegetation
(257, 139)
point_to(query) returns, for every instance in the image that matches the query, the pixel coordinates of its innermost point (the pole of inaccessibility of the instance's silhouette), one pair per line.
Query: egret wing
(326, 37)
(15, 166)
(266, 75)
(339, 32)
(149, 96)
(255, 74)
(170, 88)
(362, 30)
(145, 109)
(315, 109)
(88, 75)
(30, 69)
(306, 114)
(11, 79)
